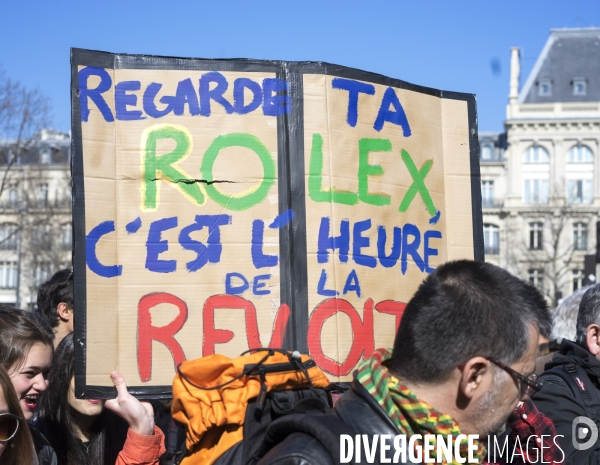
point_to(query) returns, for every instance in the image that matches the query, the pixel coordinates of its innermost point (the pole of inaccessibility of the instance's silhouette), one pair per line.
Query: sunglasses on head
(9, 424)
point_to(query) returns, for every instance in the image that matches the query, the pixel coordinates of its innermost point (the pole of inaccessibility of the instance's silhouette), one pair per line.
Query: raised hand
(139, 415)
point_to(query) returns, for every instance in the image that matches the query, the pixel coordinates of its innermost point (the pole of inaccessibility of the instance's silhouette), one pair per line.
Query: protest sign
(221, 205)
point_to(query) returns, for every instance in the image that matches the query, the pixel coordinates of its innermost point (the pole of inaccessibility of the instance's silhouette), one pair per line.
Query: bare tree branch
(556, 253)
(29, 210)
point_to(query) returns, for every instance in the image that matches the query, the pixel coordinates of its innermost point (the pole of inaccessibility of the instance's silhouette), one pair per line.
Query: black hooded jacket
(559, 400)
(358, 410)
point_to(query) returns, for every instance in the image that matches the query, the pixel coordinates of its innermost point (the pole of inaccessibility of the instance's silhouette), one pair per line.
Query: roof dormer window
(579, 86)
(45, 156)
(486, 152)
(544, 87)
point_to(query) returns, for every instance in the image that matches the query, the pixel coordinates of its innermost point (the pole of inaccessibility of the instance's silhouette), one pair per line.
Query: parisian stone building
(540, 178)
(35, 214)
(540, 181)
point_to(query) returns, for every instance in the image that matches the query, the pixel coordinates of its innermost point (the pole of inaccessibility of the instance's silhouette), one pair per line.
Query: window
(577, 277)
(41, 235)
(486, 152)
(536, 154)
(545, 87)
(536, 191)
(487, 193)
(45, 156)
(8, 275)
(536, 278)
(580, 236)
(9, 236)
(580, 154)
(66, 236)
(42, 195)
(491, 239)
(42, 273)
(536, 237)
(579, 191)
(13, 197)
(579, 86)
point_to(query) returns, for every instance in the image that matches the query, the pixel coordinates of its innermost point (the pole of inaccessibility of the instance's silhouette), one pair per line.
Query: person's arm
(145, 442)
(142, 449)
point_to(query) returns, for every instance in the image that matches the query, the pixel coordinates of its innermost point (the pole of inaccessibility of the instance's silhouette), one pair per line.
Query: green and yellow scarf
(409, 414)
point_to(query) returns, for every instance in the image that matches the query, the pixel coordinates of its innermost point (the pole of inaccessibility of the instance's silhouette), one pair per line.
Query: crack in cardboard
(194, 181)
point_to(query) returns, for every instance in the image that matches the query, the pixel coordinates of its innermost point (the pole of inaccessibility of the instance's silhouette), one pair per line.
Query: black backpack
(284, 413)
(581, 386)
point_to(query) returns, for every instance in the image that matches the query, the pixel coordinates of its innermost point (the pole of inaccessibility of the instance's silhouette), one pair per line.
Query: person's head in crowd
(55, 303)
(81, 431)
(564, 320)
(26, 347)
(16, 446)
(467, 336)
(588, 321)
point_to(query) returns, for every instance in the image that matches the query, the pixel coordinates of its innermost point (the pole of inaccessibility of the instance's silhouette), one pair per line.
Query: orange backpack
(211, 396)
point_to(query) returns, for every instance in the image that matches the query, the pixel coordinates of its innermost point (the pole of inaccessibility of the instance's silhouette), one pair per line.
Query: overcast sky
(452, 45)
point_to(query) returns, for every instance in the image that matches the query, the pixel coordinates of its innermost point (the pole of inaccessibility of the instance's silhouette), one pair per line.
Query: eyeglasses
(529, 384)
(9, 424)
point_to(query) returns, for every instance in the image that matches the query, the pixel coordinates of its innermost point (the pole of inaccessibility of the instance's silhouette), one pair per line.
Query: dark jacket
(44, 451)
(358, 410)
(558, 401)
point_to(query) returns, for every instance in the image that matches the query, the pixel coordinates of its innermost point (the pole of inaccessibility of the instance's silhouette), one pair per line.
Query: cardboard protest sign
(222, 205)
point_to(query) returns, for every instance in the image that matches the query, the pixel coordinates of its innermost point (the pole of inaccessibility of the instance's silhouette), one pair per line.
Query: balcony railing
(555, 109)
(35, 204)
(492, 203)
(491, 250)
(494, 159)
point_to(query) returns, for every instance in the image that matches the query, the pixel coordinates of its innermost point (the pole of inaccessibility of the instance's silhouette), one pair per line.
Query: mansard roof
(570, 56)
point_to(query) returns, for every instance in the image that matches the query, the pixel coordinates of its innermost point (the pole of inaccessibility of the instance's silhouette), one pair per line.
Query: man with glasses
(529, 384)
(570, 394)
(463, 359)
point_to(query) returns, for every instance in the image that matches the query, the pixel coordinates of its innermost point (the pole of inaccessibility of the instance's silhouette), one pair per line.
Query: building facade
(35, 214)
(540, 179)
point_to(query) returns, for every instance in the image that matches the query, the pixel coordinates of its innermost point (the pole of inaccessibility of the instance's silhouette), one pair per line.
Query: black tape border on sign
(291, 182)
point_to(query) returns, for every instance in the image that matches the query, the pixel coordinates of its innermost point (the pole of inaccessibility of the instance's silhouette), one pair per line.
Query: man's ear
(592, 338)
(65, 313)
(472, 375)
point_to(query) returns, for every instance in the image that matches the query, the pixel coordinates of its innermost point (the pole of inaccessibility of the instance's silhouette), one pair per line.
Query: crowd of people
(463, 362)
(41, 420)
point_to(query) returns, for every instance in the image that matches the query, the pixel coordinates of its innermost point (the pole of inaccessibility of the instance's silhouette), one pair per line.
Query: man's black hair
(59, 288)
(462, 310)
(589, 312)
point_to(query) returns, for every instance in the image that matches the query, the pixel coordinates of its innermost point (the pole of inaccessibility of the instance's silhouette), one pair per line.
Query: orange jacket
(142, 450)
(214, 419)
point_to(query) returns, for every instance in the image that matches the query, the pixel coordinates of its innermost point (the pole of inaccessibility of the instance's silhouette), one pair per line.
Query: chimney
(514, 75)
